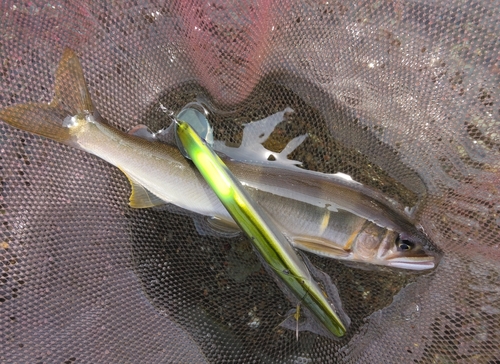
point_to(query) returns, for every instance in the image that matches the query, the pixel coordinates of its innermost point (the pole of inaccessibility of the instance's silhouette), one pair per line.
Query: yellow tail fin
(71, 98)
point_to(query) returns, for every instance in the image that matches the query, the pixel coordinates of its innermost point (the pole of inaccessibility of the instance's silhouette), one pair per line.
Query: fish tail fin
(71, 89)
(53, 120)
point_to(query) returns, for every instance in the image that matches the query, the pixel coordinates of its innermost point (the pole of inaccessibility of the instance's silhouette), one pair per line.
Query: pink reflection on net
(228, 43)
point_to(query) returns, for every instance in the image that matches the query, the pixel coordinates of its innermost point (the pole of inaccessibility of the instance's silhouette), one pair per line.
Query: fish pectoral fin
(321, 247)
(205, 227)
(142, 131)
(141, 198)
(223, 226)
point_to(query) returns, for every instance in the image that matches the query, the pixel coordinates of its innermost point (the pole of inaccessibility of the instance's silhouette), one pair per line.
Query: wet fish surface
(318, 213)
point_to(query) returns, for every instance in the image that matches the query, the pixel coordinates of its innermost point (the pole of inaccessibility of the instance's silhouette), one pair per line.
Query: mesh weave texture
(402, 96)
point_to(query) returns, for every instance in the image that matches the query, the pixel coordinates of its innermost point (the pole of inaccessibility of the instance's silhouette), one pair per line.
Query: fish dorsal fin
(142, 131)
(141, 198)
(70, 88)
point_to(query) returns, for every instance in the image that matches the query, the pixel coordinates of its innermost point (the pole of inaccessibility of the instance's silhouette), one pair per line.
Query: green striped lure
(262, 231)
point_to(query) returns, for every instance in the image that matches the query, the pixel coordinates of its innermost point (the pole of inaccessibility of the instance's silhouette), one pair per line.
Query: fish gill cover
(403, 97)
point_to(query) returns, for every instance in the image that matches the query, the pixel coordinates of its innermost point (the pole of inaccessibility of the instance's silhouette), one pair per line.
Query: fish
(263, 233)
(318, 213)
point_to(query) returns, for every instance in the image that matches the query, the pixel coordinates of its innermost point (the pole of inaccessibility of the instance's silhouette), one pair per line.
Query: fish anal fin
(141, 198)
(321, 247)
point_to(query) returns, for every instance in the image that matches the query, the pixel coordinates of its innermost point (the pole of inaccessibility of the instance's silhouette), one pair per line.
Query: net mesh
(402, 96)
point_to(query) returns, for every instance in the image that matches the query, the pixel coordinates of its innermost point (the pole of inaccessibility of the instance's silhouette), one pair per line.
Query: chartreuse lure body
(258, 226)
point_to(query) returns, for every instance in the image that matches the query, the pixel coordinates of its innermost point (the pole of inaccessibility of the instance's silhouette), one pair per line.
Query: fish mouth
(413, 263)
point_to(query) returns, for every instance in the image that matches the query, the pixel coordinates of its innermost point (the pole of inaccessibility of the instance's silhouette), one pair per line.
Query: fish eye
(404, 245)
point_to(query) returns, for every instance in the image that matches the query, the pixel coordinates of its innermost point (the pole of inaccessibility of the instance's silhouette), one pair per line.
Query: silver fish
(316, 212)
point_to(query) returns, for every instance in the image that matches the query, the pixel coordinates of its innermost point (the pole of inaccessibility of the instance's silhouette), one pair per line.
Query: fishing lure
(260, 228)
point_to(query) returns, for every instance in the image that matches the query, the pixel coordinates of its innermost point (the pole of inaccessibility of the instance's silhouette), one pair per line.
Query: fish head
(409, 251)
